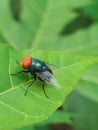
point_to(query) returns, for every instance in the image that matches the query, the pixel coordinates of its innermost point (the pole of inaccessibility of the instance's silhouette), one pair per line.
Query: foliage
(57, 33)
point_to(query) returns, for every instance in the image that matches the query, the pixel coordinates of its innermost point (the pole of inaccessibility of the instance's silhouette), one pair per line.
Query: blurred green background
(70, 26)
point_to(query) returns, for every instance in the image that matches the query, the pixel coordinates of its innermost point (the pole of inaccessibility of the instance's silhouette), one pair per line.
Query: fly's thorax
(38, 66)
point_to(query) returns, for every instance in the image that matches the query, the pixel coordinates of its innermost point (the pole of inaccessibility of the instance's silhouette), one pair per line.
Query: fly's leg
(20, 72)
(17, 62)
(29, 87)
(44, 89)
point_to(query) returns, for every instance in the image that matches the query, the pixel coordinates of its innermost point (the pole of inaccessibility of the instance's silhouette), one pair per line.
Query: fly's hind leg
(29, 87)
(43, 83)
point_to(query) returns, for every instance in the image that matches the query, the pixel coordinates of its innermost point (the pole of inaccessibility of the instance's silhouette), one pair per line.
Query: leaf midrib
(43, 21)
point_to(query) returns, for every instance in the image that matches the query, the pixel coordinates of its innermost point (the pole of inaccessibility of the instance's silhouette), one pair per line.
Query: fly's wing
(54, 67)
(49, 78)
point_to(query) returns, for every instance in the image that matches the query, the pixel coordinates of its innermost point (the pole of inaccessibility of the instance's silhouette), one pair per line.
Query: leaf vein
(10, 107)
(9, 69)
(36, 42)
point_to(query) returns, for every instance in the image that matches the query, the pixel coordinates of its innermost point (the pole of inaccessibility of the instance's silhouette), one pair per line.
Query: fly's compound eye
(26, 62)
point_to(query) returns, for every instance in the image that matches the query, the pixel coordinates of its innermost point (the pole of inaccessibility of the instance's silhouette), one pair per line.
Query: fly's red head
(26, 62)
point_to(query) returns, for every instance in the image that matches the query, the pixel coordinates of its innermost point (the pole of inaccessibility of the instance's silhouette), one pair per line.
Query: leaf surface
(25, 110)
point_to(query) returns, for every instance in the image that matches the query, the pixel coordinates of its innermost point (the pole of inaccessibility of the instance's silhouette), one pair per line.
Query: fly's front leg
(20, 72)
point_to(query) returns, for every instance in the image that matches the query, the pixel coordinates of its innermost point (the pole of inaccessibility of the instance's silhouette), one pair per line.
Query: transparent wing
(53, 67)
(49, 78)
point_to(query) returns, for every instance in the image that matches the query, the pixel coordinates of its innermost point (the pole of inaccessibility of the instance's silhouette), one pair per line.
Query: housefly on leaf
(40, 70)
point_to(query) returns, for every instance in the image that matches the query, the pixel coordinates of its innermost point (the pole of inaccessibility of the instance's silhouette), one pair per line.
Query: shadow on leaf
(81, 22)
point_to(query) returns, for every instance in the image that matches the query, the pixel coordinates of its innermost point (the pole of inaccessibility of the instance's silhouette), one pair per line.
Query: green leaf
(86, 110)
(58, 117)
(2, 40)
(89, 83)
(91, 9)
(86, 94)
(41, 23)
(31, 127)
(25, 110)
(25, 29)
